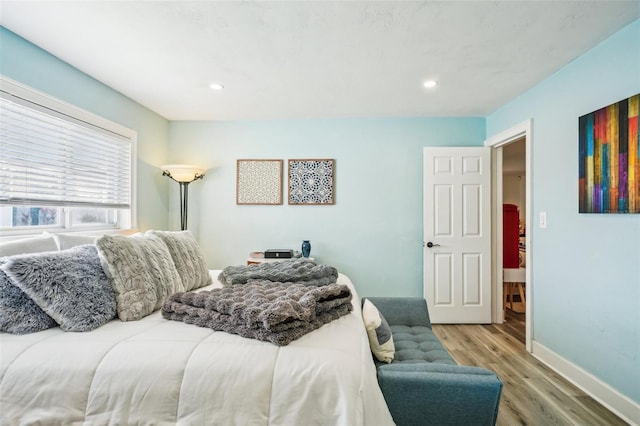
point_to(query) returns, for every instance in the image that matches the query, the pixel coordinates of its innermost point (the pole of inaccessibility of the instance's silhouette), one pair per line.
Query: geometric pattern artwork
(609, 159)
(311, 181)
(259, 182)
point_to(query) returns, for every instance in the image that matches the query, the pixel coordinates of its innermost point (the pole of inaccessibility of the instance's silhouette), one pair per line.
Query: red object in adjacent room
(510, 236)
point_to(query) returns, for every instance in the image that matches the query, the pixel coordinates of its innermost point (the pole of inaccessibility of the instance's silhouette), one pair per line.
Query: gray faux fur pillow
(69, 285)
(141, 272)
(18, 313)
(188, 258)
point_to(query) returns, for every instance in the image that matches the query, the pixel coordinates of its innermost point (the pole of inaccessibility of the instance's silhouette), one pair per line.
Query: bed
(156, 371)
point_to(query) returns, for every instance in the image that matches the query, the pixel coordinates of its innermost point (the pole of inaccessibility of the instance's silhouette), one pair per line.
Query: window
(60, 166)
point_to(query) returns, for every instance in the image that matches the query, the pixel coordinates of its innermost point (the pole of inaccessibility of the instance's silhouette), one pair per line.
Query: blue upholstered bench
(424, 385)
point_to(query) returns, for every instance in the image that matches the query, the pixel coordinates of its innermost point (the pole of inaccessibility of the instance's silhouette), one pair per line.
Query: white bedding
(156, 371)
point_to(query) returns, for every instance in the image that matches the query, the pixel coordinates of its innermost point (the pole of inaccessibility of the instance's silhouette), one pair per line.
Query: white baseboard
(621, 405)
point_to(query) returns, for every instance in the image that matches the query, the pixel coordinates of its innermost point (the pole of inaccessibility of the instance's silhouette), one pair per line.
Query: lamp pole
(184, 195)
(184, 202)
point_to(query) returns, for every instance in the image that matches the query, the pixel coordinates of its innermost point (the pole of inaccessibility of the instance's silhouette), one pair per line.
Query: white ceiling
(312, 59)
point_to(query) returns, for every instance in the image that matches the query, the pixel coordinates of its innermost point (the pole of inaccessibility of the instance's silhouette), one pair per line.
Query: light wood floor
(532, 393)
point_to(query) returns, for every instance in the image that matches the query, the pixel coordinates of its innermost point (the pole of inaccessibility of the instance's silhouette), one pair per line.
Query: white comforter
(157, 371)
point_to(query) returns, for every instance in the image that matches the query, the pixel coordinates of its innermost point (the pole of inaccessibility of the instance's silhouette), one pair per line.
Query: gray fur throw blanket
(301, 271)
(270, 311)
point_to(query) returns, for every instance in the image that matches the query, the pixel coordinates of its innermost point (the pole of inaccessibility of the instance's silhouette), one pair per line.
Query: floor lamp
(184, 174)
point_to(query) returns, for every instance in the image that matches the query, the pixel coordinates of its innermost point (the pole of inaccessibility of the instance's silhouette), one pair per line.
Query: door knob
(430, 244)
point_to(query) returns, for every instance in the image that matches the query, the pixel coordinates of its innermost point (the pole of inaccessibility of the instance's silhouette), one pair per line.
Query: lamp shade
(183, 172)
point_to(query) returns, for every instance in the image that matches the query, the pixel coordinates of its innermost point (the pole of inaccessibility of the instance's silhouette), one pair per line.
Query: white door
(457, 234)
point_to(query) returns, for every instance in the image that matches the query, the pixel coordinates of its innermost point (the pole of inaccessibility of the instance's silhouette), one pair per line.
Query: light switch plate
(543, 220)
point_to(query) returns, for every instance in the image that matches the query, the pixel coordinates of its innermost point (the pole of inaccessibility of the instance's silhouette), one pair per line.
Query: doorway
(514, 237)
(499, 143)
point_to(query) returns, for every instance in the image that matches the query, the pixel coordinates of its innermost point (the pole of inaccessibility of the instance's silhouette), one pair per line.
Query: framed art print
(311, 182)
(609, 159)
(259, 182)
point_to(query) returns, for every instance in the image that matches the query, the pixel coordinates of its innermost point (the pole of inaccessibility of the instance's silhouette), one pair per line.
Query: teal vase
(306, 248)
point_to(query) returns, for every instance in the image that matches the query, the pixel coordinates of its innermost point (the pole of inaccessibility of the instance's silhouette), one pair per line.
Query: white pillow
(379, 332)
(44, 242)
(67, 241)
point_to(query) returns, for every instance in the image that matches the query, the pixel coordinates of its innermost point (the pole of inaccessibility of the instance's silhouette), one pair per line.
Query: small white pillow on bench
(379, 332)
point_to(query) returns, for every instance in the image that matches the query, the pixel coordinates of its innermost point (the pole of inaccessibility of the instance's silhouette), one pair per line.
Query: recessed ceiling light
(430, 84)
(216, 86)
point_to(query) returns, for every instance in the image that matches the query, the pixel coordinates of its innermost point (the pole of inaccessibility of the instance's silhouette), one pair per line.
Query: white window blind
(49, 158)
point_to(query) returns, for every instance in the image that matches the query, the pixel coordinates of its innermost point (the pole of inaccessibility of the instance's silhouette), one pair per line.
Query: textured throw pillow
(141, 271)
(18, 313)
(379, 332)
(67, 241)
(70, 286)
(40, 243)
(188, 258)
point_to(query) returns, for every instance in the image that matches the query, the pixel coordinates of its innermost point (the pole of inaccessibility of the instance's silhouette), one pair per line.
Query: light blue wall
(373, 233)
(586, 267)
(26, 63)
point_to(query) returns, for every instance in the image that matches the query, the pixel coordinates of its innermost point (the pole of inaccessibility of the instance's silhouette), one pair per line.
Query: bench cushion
(415, 344)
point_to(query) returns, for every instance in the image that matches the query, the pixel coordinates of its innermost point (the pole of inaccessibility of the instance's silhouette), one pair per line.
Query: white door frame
(524, 129)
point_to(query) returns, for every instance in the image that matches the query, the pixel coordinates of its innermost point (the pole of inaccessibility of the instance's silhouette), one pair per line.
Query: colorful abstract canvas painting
(609, 159)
